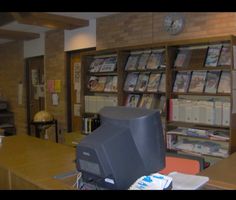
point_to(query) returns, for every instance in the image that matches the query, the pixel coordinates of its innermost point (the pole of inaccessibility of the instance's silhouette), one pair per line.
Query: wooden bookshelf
(199, 48)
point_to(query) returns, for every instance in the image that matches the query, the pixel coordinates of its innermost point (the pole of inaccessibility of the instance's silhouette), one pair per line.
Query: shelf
(102, 73)
(201, 94)
(100, 92)
(199, 126)
(137, 92)
(228, 68)
(197, 153)
(199, 137)
(147, 70)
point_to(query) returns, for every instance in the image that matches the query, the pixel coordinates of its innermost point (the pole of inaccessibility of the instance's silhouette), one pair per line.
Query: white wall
(34, 47)
(81, 38)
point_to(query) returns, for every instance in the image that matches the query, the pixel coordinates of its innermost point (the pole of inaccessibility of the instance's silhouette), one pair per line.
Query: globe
(43, 116)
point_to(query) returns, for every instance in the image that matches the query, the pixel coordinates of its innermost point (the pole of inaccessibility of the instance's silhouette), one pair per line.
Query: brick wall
(11, 73)
(127, 29)
(55, 69)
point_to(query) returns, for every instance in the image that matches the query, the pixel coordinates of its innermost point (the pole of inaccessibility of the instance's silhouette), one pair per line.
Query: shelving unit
(199, 48)
(7, 122)
(173, 139)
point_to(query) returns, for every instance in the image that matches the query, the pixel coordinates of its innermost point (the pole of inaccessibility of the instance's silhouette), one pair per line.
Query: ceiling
(18, 22)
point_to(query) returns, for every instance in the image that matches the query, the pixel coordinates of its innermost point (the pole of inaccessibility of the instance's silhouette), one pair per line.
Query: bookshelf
(195, 63)
(194, 136)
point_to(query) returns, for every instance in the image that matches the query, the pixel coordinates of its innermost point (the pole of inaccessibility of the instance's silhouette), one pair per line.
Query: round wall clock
(174, 23)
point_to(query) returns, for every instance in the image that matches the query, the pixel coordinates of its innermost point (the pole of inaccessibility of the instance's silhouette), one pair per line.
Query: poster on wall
(55, 99)
(77, 96)
(35, 77)
(51, 86)
(77, 70)
(57, 86)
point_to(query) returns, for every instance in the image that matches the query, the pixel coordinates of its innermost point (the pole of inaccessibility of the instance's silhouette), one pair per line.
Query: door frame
(27, 87)
(68, 83)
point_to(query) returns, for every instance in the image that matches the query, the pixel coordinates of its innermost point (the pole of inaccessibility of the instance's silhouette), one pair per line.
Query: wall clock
(174, 23)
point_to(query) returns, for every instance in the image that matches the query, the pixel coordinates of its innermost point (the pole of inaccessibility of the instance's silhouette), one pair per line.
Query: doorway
(74, 120)
(35, 89)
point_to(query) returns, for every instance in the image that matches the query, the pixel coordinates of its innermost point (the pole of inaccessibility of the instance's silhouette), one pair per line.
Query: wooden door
(74, 89)
(35, 91)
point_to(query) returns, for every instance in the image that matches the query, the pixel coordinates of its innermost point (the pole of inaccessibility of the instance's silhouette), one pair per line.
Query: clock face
(173, 24)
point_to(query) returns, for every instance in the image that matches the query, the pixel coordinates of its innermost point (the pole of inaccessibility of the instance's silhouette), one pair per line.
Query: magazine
(130, 82)
(142, 82)
(111, 84)
(109, 64)
(212, 81)
(182, 81)
(162, 85)
(143, 61)
(92, 83)
(225, 56)
(213, 55)
(153, 82)
(101, 84)
(96, 65)
(224, 84)
(132, 100)
(155, 60)
(197, 82)
(132, 62)
(147, 101)
(183, 58)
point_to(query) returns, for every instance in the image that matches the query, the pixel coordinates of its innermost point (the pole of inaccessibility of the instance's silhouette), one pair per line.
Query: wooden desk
(27, 162)
(73, 138)
(222, 175)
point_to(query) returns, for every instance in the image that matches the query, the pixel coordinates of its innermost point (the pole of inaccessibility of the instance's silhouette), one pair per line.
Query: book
(147, 101)
(132, 100)
(182, 58)
(197, 82)
(111, 84)
(101, 84)
(224, 84)
(132, 62)
(92, 83)
(212, 81)
(213, 55)
(182, 80)
(162, 85)
(96, 65)
(143, 61)
(155, 60)
(225, 56)
(109, 64)
(130, 82)
(153, 82)
(142, 82)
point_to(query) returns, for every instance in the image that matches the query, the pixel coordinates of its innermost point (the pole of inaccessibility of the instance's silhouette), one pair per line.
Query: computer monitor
(128, 144)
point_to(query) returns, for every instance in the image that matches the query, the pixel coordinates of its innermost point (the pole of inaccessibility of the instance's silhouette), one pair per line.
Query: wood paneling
(18, 35)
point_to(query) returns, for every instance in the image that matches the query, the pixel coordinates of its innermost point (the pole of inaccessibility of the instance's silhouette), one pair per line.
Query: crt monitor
(128, 144)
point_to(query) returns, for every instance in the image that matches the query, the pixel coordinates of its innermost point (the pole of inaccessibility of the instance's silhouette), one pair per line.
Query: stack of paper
(152, 182)
(183, 181)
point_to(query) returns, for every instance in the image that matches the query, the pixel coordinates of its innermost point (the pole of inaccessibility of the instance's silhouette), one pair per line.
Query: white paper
(40, 90)
(77, 67)
(183, 181)
(35, 77)
(55, 99)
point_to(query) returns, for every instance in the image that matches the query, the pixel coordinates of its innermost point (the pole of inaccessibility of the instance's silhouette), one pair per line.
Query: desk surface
(37, 161)
(222, 175)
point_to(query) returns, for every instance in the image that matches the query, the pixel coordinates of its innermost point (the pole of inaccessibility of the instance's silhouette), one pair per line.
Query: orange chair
(182, 163)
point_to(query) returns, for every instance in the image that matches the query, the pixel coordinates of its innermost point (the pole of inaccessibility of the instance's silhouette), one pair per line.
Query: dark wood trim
(27, 87)
(68, 82)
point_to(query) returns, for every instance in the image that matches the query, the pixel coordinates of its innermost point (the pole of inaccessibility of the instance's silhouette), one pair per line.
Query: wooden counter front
(27, 162)
(222, 175)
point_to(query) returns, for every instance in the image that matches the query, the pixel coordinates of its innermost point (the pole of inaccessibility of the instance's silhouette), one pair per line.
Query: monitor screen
(128, 144)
